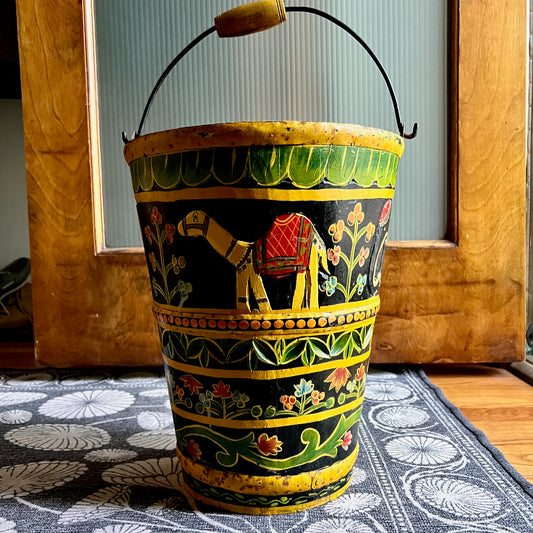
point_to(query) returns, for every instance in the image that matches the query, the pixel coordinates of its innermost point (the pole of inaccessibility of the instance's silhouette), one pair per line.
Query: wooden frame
(462, 299)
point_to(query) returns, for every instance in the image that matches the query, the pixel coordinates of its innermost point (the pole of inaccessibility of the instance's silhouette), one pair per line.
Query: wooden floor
(496, 401)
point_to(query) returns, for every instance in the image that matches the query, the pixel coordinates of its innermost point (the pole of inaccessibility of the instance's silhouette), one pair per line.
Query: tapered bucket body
(265, 243)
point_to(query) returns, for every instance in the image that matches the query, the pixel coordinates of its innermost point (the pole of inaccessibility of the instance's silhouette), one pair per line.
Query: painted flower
(361, 282)
(338, 378)
(288, 401)
(385, 213)
(339, 525)
(151, 258)
(123, 528)
(303, 388)
(194, 450)
(191, 383)
(180, 392)
(351, 503)
(356, 215)
(317, 396)
(154, 420)
(170, 229)
(156, 217)
(364, 252)
(161, 439)
(181, 262)
(269, 445)
(334, 254)
(402, 416)
(370, 230)
(240, 399)
(421, 450)
(346, 440)
(221, 390)
(87, 404)
(330, 286)
(175, 265)
(336, 231)
(360, 372)
(162, 472)
(148, 234)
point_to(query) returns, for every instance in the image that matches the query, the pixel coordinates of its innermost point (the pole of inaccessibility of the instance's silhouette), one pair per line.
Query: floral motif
(110, 455)
(58, 437)
(15, 416)
(339, 525)
(162, 472)
(193, 449)
(154, 420)
(221, 390)
(161, 439)
(356, 215)
(334, 255)
(7, 526)
(16, 398)
(268, 445)
(336, 231)
(101, 504)
(123, 528)
(457, 497)
(31, 478)
(170, 229)
(421, 450)
(383, 391)
(156, 217)
(370, 230)
(288, 402)
(303, 388)
(402, 416)
(346, 440)
(192, 384)
(364, 252)
(330, 285)
(338, 378)
(87, 404)
(349, 504)
(385, 213)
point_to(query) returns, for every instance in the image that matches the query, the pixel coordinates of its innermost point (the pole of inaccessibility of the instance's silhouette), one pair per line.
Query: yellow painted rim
(261, 134)
(240, 509)
(276, 485)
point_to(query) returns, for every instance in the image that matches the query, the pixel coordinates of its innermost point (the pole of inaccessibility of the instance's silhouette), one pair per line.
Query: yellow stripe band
(263, 423)
(232, 193)
(269, 485)
(265, 374)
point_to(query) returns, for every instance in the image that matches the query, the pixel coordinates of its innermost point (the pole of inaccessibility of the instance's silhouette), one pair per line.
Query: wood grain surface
(496, 402)
(458, 300)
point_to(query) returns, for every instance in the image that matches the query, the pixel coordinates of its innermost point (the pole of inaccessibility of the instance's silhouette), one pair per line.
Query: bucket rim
(261, 133)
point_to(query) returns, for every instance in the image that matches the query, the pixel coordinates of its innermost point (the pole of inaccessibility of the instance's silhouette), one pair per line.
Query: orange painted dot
(232, 324)
(300, 323)
(243, 324)
(202, 322)
(289, 324)
(266, 324)
(278, 324)
(221, 324)
(349, 318)
(341, 320)
(255, 324)
(171, 319)
(322, 321)
(311, 323)
(185, 322)
(332, 319)
(178, 321)
(194, 322)
(212, 323)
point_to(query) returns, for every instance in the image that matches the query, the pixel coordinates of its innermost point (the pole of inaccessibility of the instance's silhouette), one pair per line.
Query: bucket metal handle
(259, 16)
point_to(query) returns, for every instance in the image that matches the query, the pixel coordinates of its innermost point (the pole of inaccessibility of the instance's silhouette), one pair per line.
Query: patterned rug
(93, 452)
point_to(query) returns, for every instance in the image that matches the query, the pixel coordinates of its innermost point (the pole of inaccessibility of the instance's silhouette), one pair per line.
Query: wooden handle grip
(250, 18)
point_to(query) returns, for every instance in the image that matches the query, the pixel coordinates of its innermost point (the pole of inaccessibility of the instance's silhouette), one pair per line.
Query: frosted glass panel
(304, 69)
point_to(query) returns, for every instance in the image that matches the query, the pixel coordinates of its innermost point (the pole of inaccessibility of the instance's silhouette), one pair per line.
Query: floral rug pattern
(93, 452)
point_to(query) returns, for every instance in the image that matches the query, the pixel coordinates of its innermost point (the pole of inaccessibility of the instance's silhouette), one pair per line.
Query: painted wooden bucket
(264, 243)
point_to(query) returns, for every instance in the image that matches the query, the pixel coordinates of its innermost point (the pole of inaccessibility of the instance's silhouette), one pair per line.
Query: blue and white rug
(92, 451)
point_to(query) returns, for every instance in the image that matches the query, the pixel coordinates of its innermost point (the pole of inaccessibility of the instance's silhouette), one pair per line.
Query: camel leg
(299, 291)
(259, 292)
(312, 279)
(241, 289)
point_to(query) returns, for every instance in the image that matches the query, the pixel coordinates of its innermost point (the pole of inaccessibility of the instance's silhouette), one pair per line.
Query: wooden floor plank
(496, 402)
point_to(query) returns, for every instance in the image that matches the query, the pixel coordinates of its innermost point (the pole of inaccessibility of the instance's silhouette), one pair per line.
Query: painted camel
(292, 244)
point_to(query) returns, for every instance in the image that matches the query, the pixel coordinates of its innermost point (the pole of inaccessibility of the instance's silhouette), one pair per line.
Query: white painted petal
(349, 503)
(386, 392)
(87, 404)
(162, 472)
(58, 437)
(123, 528)
(31, 478)
(402, 416)
(421, 450)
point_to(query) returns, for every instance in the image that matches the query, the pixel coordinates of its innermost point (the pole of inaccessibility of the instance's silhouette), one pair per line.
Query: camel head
(195, 224)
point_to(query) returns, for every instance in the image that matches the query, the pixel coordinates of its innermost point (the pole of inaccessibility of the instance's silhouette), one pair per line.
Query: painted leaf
(293, 351)
(264, 352)
(341, 344)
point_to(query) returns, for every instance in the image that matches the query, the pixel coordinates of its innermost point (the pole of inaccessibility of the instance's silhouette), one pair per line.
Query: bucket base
(267, 495)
